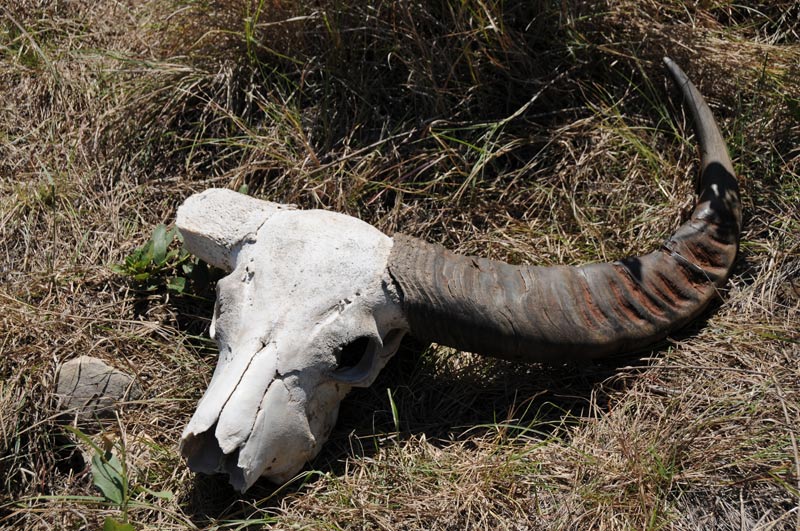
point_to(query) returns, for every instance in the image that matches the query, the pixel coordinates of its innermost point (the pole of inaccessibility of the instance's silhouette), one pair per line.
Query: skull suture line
(307, 287)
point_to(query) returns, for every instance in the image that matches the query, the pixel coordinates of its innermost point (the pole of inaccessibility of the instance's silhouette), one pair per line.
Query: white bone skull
(305, 288)
(317, 302)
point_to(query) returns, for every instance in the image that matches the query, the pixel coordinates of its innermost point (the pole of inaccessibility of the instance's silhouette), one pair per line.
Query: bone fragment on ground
(89, 388)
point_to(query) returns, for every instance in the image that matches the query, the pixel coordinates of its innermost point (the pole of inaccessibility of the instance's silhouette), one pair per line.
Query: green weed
(160, 263)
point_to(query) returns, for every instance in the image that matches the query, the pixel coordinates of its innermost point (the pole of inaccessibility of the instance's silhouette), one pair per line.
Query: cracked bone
(306, 288)
(303, 286)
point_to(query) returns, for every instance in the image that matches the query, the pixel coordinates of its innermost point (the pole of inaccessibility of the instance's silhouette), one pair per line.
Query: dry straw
(534, 132)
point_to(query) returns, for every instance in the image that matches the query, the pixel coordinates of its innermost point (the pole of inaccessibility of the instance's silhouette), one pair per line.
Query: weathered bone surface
(317, 302)
(304, 286)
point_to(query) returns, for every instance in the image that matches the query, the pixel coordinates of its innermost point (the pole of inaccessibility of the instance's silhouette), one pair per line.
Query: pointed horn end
(712, 144)
(718, 186)
(678, 75)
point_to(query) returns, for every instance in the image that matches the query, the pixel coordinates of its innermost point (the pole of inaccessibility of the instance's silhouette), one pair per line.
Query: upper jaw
(277, 445)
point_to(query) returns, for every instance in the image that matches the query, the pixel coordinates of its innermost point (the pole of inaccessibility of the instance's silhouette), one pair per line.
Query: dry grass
(540, 132)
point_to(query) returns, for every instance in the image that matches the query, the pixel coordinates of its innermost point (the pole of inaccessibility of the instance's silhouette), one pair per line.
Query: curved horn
(547, 313)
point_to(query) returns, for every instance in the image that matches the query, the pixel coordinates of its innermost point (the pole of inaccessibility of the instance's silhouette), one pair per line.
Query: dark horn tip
(677, 73)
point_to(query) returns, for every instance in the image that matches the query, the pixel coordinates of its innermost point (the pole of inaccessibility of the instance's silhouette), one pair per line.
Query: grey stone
(89, 388)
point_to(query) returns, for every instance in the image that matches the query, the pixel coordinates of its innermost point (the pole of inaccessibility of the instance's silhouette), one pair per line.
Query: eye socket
(351, 354)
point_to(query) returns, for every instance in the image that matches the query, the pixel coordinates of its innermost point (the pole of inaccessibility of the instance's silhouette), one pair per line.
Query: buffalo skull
(317, 302)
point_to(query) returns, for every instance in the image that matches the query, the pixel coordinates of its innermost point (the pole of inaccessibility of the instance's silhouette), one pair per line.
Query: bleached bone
(303, 286)
(317, 302)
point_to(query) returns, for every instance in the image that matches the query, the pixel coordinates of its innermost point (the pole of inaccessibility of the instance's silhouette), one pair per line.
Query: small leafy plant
(110, 476)
(158, 262)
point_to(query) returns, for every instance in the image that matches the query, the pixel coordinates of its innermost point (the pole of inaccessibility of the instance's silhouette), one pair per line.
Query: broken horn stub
(215, 222)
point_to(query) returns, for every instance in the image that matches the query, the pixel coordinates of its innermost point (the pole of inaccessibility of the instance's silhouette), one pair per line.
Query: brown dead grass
(530, 132)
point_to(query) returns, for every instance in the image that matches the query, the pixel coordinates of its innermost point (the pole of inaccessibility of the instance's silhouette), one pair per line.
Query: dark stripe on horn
(549, 313)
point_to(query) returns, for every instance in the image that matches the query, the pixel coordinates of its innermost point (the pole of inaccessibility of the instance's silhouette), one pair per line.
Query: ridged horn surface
(550, 313)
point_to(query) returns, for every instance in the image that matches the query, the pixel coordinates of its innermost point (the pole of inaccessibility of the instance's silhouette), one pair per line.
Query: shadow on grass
(446, 398)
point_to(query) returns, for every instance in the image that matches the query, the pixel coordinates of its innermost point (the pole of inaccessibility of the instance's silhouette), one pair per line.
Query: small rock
(90, 388)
